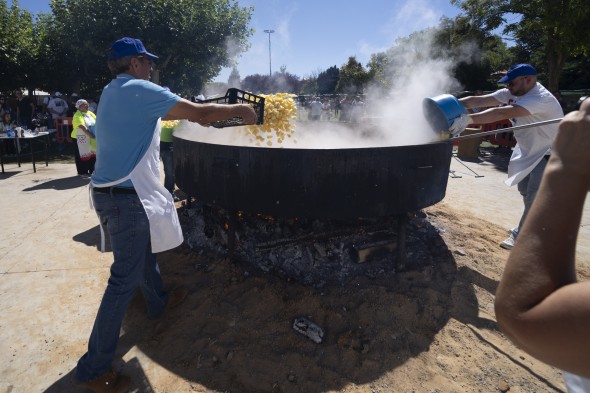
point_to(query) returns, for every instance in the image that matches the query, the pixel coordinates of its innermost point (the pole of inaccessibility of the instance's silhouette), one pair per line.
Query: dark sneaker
(109, 382)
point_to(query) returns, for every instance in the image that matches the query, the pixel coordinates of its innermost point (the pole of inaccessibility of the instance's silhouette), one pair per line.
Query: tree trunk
(557, 17)
(556, 57)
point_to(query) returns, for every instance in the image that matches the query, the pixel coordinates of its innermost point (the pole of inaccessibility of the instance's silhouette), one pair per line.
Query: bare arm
(499, 113)
(491, 115)
(539, 304)
(208, 113)
(484, 101)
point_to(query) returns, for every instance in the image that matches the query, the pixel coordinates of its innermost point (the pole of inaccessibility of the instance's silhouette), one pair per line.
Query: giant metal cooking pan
(314, 183)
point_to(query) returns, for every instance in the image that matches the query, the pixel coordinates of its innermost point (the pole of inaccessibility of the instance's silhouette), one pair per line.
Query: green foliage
(476, 53)
(67, 49)
(353, 77)
(280, 82)
(556, 28)
(327, 80)
(18, 46)
(191, 37)
(379, 66)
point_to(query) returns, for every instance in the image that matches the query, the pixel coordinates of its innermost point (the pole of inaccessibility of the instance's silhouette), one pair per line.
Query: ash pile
(314, 252)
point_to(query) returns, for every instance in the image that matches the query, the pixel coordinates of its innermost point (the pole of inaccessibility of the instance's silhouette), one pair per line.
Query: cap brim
(151, 55)
(504, 79)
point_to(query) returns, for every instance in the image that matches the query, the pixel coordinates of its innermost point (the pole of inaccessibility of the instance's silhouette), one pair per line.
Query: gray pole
(269, 32)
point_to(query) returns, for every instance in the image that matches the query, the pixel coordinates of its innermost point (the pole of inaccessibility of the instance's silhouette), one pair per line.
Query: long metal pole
(509, 129)
(269, 55)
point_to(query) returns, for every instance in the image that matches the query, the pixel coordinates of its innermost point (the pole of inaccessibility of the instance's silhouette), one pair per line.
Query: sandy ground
(428, 329)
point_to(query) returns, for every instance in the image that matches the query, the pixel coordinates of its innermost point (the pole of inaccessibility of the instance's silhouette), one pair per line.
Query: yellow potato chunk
(279, 112)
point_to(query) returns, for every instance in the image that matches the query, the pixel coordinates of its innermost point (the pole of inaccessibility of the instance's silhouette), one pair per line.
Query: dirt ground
(426, 329)
(430, 329)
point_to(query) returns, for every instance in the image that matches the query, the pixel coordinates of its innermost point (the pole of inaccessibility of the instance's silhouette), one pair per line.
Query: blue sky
(313, 35)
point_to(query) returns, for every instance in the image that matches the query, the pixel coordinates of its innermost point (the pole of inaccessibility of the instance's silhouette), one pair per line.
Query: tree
(309, 84)
(353, 77)
(558, 26)
(327, 80)
(379, 66)
(284, 82)
(477, 53)
(191, 37)
(256, 83)
(18, 47)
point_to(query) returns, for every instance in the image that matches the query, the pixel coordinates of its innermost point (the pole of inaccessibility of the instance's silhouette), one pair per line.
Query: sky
(312, 35)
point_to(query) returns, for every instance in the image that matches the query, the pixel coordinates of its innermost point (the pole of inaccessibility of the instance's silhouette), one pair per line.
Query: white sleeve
(504, 96)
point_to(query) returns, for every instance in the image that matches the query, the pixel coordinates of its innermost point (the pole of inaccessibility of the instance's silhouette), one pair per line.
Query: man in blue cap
(524, 101)
(132, 205)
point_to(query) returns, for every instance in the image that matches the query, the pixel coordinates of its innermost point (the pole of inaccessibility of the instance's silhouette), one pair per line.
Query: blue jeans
(528, 188)
(166, 154)
(134, 267)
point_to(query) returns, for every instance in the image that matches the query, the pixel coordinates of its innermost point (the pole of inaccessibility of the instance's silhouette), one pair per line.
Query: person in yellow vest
(166, 154)
(83, 123)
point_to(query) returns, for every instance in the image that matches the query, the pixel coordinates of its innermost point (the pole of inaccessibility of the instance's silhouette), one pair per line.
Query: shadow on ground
(8, 174)
(91, 238)
(498, 156)
(234, 331)
(66, 183)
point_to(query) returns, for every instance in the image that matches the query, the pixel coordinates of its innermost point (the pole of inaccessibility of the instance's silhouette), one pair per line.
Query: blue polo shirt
(127, 114)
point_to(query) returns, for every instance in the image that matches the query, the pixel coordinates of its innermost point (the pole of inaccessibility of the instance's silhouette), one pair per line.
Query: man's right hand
(248, 114)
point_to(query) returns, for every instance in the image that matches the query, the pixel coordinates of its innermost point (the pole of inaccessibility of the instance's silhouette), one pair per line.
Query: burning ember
(314, 252)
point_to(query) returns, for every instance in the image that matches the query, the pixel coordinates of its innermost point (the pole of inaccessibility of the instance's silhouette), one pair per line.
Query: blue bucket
(441, 111)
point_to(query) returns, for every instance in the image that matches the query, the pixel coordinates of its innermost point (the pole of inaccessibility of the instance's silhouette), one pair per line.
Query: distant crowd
(30, 112)
(343, 108)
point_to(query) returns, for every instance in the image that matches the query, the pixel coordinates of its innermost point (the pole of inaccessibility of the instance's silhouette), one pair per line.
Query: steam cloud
(394, 118)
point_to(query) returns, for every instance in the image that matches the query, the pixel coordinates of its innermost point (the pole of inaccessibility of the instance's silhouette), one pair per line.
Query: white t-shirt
(535, 142)
(57, 107)
(316, 108)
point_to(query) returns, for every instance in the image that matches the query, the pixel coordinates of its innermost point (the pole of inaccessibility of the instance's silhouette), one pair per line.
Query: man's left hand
(459, 125)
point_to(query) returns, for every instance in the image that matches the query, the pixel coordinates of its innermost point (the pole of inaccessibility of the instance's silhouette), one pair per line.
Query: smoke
(394, 117)
(417, 73)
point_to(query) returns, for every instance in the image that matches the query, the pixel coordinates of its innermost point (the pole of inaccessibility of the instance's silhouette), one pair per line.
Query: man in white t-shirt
(315, 109)
(525, 101)
(57, 106)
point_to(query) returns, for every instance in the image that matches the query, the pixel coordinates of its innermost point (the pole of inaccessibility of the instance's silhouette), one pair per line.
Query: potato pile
(279, 112)
(169, 123)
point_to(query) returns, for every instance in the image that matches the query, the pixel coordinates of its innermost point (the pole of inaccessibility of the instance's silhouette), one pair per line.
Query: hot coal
(314, 252)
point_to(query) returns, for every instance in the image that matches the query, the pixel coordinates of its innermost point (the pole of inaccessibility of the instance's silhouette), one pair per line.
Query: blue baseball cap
(516, 71)
(127, 46)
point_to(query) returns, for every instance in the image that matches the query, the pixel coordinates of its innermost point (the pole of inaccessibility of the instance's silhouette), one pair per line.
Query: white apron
(522, 163)
(165, 230)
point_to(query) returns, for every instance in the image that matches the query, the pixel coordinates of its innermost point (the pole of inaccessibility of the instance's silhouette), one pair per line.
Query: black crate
(237, 96)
